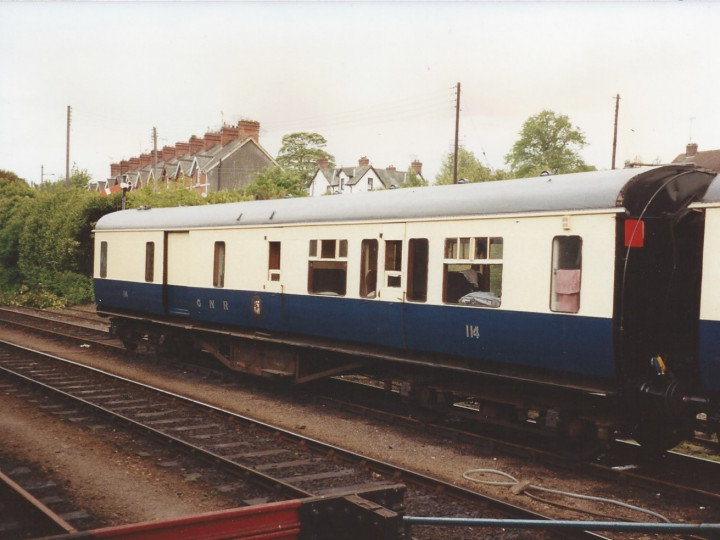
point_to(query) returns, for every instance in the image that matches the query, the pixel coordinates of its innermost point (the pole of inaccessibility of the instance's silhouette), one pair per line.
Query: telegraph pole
(154, 171)
(457, 131)
(67, 149)
(154, 149)
(617, 108)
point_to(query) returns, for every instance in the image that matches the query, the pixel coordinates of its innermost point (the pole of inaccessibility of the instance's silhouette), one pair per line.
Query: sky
(376, 79)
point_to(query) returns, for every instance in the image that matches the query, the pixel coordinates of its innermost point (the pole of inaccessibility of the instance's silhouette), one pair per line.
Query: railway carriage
(566, 301)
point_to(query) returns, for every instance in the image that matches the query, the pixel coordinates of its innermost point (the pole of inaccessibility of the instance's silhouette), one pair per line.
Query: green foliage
(300, 151)
(469, 168)
(46, 244)
(14, 197)
(414, 180)
(548, 142)
(276, 183)
(158, 195)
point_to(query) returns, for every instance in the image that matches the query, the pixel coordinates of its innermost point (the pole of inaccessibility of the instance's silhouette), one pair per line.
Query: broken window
(417, 269)
(327, 273)
(368, 268)
(472, 271)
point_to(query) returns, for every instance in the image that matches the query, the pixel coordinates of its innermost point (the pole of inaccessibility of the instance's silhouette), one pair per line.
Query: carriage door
(659, 269)
(176, 274)
(391, 281)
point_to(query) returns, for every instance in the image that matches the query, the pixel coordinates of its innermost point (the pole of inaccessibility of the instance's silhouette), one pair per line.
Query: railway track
(33, 505)
(266, 464)
(675, 475)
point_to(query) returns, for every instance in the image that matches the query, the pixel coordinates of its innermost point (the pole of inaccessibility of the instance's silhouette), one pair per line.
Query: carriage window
(327, 273)
(103, 259)
(472, 271)
(368, 268)
(393, 263)
(566, 274)
(417, 269)
(274, 261)
(219, 265)
(150, 261)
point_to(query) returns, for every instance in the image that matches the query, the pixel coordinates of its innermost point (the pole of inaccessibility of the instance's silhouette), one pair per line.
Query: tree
(276, 183)
(300, 151)
(548, 142)
(469, 168)
(413, 180)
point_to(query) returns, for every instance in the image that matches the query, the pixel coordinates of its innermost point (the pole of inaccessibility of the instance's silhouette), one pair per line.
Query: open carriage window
(472, 271)
(566, 274)
(327, 267)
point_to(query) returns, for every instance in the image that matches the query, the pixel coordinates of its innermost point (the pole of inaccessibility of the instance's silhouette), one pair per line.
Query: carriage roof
(600, 190)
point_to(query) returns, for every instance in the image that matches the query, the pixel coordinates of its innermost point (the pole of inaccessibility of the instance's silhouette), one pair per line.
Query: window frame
(103, 258)
(219, 265)
(569, 302)
(149, 262)
(327, 267)
(462, 253)
(274, 260)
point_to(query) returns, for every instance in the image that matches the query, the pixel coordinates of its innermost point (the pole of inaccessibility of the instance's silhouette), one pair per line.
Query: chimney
(416, 166)
(363, 161)
(391, 168)
(691, 149)
(114, 169)
(167, 152)
(181, 149)
(248, 128)
(211, 139)
(196, 145)
(134, 163)
(145, 159)
(228, 134)
(124, 166)
(322, 163)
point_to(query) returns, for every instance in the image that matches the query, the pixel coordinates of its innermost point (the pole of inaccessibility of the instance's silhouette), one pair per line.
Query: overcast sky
(376, 79)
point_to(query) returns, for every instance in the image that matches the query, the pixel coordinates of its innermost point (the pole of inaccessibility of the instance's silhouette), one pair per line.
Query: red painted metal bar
(268, 521)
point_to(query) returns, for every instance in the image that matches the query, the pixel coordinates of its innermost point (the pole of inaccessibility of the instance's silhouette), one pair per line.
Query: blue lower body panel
(565, 343)
(710, 355)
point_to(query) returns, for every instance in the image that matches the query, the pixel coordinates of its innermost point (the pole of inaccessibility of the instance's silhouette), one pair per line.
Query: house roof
(709, 159)
(389, 177)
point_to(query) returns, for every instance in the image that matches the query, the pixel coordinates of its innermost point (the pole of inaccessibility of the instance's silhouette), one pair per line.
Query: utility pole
(154, 149)
(457, 131)
(67, 149)
(617, 108)
(154, 171)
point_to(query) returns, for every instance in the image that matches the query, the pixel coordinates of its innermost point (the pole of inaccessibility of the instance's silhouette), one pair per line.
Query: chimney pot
(248, 128)
(363, 161)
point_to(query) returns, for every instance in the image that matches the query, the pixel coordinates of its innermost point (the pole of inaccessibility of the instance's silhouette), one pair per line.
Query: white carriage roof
(554, 193)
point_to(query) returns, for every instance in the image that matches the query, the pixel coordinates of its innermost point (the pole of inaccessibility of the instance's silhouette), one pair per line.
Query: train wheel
(655, 437)
(129, 339)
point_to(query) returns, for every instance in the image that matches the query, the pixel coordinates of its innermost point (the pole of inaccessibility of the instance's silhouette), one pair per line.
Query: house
(708, 159)
(364, 177)
(224, 160)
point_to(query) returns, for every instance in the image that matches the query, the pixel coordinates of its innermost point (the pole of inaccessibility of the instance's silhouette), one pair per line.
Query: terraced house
(223, 160)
